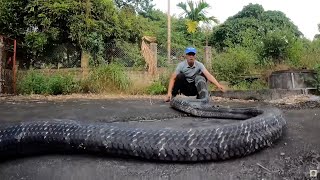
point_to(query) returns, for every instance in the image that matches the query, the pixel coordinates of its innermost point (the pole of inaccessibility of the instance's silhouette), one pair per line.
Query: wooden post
(154, 50)
(1, 49)
(14, 67)
(85, 63)
(208, 57)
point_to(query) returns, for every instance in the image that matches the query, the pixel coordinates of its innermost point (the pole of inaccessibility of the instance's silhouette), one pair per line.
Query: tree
(142, 7)
(317, 36)
(43, 26)
(195, 13)
(251, 24)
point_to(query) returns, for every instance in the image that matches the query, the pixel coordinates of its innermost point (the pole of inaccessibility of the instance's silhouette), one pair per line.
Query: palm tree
(194, 13)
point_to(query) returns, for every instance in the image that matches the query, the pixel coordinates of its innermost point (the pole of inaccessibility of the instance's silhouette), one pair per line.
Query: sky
(304, 14)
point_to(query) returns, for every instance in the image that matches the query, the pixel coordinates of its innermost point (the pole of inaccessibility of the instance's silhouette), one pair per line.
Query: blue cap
(190, 50)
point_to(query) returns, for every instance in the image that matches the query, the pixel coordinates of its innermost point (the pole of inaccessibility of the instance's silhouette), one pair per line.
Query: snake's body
(257, 129)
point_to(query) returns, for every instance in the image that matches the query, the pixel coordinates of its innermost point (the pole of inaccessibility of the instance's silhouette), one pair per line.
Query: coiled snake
(257, 129)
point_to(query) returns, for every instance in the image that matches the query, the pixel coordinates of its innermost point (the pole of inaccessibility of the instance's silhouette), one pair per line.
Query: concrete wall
(290, 79)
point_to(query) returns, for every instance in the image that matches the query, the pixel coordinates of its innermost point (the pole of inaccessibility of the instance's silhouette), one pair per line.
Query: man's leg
(202, 88)
(179, 84)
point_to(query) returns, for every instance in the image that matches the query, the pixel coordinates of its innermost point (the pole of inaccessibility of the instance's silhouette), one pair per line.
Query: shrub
(254, 85)
(32, 83)
(106, 78)
(156, 88)
(62, 84)
(228, 66)
(316, 81)
(35, 82)
(280, 46)
(309, 55)
(160, 85)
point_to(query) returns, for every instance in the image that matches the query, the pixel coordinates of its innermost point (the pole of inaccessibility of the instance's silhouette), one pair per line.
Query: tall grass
(106, 78)
(36, 82)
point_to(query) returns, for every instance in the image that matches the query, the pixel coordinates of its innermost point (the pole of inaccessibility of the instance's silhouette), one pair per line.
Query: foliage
(233, 63)
(195, 13)
(316, 81)
(254, 85)
(35, 82)
(106, 78)
(55, 32)
(277, 45)
(41, 26)
(32, 83)
(127, 54)
(310, 54)
(251, 19)
(160, 85)
(144, 7)
(62, 84)
(156, 88)
(317, 36)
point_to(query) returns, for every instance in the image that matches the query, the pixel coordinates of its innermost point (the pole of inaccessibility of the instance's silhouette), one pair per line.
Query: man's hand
(222, 88)
(168, 98)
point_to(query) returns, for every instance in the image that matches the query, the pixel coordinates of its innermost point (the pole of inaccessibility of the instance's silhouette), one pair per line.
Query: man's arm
(212, 79)
(171, 83)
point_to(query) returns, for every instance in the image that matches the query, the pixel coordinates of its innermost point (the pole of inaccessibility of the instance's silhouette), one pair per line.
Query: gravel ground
(292, 157)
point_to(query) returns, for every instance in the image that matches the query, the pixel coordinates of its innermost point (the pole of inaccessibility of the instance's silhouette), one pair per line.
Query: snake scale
(252, 130)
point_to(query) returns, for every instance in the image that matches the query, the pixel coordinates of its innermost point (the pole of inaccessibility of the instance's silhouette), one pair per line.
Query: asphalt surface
(292, 157)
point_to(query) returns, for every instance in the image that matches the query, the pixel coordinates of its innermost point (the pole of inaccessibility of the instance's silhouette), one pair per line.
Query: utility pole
(169, 33)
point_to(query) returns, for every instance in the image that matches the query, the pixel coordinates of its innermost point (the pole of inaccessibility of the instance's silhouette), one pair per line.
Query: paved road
(291, 157)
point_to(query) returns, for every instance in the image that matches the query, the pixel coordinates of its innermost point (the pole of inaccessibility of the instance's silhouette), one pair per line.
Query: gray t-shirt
(190, 72)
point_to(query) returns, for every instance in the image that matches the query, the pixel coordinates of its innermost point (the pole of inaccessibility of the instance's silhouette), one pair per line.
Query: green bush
(35, 82)
(160, 85)
(228, 66)
(316, 81)
(156, 88)
(62, 84)
(280, 46)
(254, 85)
(106, 78)
(32, 83)
(309, 55)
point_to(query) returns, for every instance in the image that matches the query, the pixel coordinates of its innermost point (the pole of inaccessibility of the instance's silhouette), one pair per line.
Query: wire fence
(176, 55)
(131, 55)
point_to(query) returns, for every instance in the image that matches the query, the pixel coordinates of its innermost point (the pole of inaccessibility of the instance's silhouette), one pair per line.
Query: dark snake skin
(255, 130)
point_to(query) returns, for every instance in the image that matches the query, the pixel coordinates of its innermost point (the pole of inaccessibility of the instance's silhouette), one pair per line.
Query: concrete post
(208, 57)
(154, 60)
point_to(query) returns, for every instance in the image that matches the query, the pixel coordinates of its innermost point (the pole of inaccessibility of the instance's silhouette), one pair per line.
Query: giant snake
(253, 130)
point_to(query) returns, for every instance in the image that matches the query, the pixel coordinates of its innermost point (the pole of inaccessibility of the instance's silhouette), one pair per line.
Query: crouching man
(190, 78)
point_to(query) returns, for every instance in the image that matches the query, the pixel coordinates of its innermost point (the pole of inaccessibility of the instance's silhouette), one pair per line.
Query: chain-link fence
(146, 56)
(177, 55)
(131, 55)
